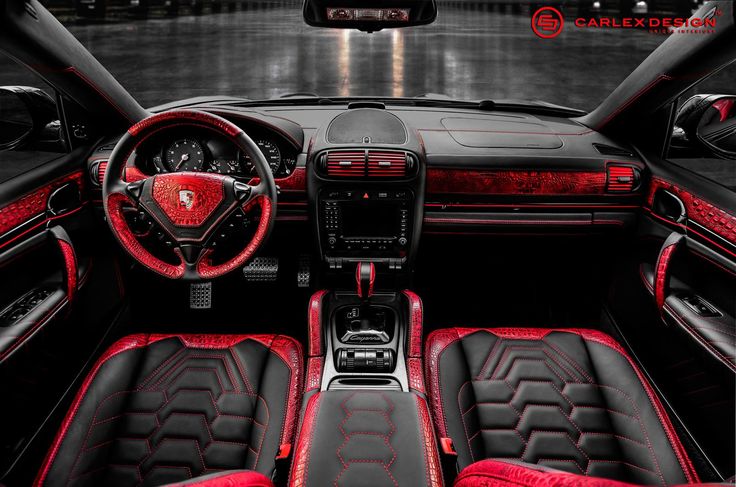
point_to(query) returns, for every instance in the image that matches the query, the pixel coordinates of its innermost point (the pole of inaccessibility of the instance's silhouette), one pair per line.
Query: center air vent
(367, 163)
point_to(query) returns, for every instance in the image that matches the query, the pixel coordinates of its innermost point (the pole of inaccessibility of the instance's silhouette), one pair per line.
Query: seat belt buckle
(448, 458)
(281, 465)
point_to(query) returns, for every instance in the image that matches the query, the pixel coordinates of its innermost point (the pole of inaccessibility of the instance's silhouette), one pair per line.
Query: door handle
(669, 206)
(662, 267)
(69, 259)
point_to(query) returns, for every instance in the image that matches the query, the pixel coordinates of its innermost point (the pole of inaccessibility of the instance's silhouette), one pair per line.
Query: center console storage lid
(366, 438)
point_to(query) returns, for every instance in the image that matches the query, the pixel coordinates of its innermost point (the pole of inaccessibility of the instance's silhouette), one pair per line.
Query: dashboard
(200, 150)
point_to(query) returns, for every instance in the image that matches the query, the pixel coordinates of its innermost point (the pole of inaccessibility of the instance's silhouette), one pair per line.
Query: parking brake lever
(365, 276)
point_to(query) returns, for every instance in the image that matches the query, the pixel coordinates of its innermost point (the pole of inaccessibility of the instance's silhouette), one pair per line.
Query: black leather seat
(569, 400)
(157, 409)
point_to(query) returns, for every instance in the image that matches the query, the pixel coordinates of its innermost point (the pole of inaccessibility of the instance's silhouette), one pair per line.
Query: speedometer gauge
(272, 154)
(185, 155)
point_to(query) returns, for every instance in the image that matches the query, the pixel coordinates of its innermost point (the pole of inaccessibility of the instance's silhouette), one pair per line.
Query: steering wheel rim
(189, 206)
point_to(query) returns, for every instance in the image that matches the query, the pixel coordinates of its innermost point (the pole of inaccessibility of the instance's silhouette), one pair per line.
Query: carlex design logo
(547, 22)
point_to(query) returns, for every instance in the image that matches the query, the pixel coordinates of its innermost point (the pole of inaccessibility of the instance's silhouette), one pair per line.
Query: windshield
(261, 50)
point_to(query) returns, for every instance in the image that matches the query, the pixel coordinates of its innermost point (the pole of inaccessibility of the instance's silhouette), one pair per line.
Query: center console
(366, 189)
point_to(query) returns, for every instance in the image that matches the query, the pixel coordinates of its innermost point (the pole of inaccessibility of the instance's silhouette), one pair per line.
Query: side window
(704, 134)
(30, 130)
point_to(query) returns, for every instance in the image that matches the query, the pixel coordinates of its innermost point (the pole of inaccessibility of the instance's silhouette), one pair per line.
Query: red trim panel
(468, 181)
(300, 466)
(715, 219)
(286, 348)
(314, 373)
(439, 340)
(661, 274)
(414, 347)
(296, 182)
(70, 268)
(434, 472)
(315, 323)
(34, 203)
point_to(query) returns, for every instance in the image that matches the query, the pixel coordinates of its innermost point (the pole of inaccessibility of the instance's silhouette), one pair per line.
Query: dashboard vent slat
(97, 172)
(387, 164)
(622, 179)
(345, 163)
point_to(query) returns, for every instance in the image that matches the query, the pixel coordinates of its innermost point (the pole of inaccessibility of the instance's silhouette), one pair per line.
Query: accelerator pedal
(304, 273)
(262, 269)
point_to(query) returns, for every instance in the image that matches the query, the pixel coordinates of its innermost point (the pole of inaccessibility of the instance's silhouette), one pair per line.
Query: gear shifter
(365, 276)
(366, 323)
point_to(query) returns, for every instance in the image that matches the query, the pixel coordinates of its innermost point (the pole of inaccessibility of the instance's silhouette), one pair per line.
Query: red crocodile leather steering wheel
(189, 206)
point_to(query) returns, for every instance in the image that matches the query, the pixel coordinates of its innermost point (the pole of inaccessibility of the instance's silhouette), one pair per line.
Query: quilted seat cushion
(158, 409)
(571, 400)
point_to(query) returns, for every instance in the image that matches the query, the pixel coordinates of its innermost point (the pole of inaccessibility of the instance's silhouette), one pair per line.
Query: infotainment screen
(360, 220)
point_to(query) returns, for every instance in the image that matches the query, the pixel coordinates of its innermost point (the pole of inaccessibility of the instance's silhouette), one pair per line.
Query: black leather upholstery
(160, 409)
(569, 400)
(366, 438)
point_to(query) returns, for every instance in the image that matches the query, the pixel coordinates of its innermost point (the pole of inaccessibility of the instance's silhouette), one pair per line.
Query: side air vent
(345, 164)
(387, 164)
(609, 150)
(97, 172)
(622, 179)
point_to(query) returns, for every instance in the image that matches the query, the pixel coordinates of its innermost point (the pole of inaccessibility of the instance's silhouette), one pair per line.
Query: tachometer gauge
(185, 155)
(272, 153)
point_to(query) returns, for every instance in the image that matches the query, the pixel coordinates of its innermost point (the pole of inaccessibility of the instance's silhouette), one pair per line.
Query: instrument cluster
(202, 151)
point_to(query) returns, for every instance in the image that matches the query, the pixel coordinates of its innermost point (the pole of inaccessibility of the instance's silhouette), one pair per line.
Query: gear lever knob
(365, 276)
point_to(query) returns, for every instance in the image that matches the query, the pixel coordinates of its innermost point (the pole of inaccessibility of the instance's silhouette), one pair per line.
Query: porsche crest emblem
(186, 199)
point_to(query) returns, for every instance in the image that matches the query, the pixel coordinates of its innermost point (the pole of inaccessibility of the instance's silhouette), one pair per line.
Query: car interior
(362, 291)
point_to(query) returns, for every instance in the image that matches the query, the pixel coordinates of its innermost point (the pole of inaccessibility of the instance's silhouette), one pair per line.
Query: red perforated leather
(188, 200)
(455, 181)
(314, 373)
(207, 270)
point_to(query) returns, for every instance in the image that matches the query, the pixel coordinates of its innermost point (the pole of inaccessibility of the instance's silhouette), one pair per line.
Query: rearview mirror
(369, 15)
(707, 122)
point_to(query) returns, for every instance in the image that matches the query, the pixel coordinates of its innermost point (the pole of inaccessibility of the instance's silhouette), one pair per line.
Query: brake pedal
(262, 269)
(304, 273)
(200, 295)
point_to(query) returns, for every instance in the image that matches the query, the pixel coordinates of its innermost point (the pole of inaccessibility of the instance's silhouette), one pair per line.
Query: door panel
(59, 297)
(680, 317)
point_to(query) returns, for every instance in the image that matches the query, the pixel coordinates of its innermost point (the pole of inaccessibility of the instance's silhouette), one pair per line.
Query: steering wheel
(189, 206)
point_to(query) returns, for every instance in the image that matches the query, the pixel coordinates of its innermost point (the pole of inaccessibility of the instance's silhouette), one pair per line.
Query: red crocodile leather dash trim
(715, 219)
(296, 182)
(441, 339)
(437, 342)
(497, 473)
(416, 323)
(134, 174)
(178, 115)
(70, 268)
(315, 323)
(416, 376)
(207, 270)
(207, 191)
(33, 204)
(460, 181)
(299, 469)
(229, 479)
(115, 203)
(314, 373)
(434, 472)
(661, 275)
